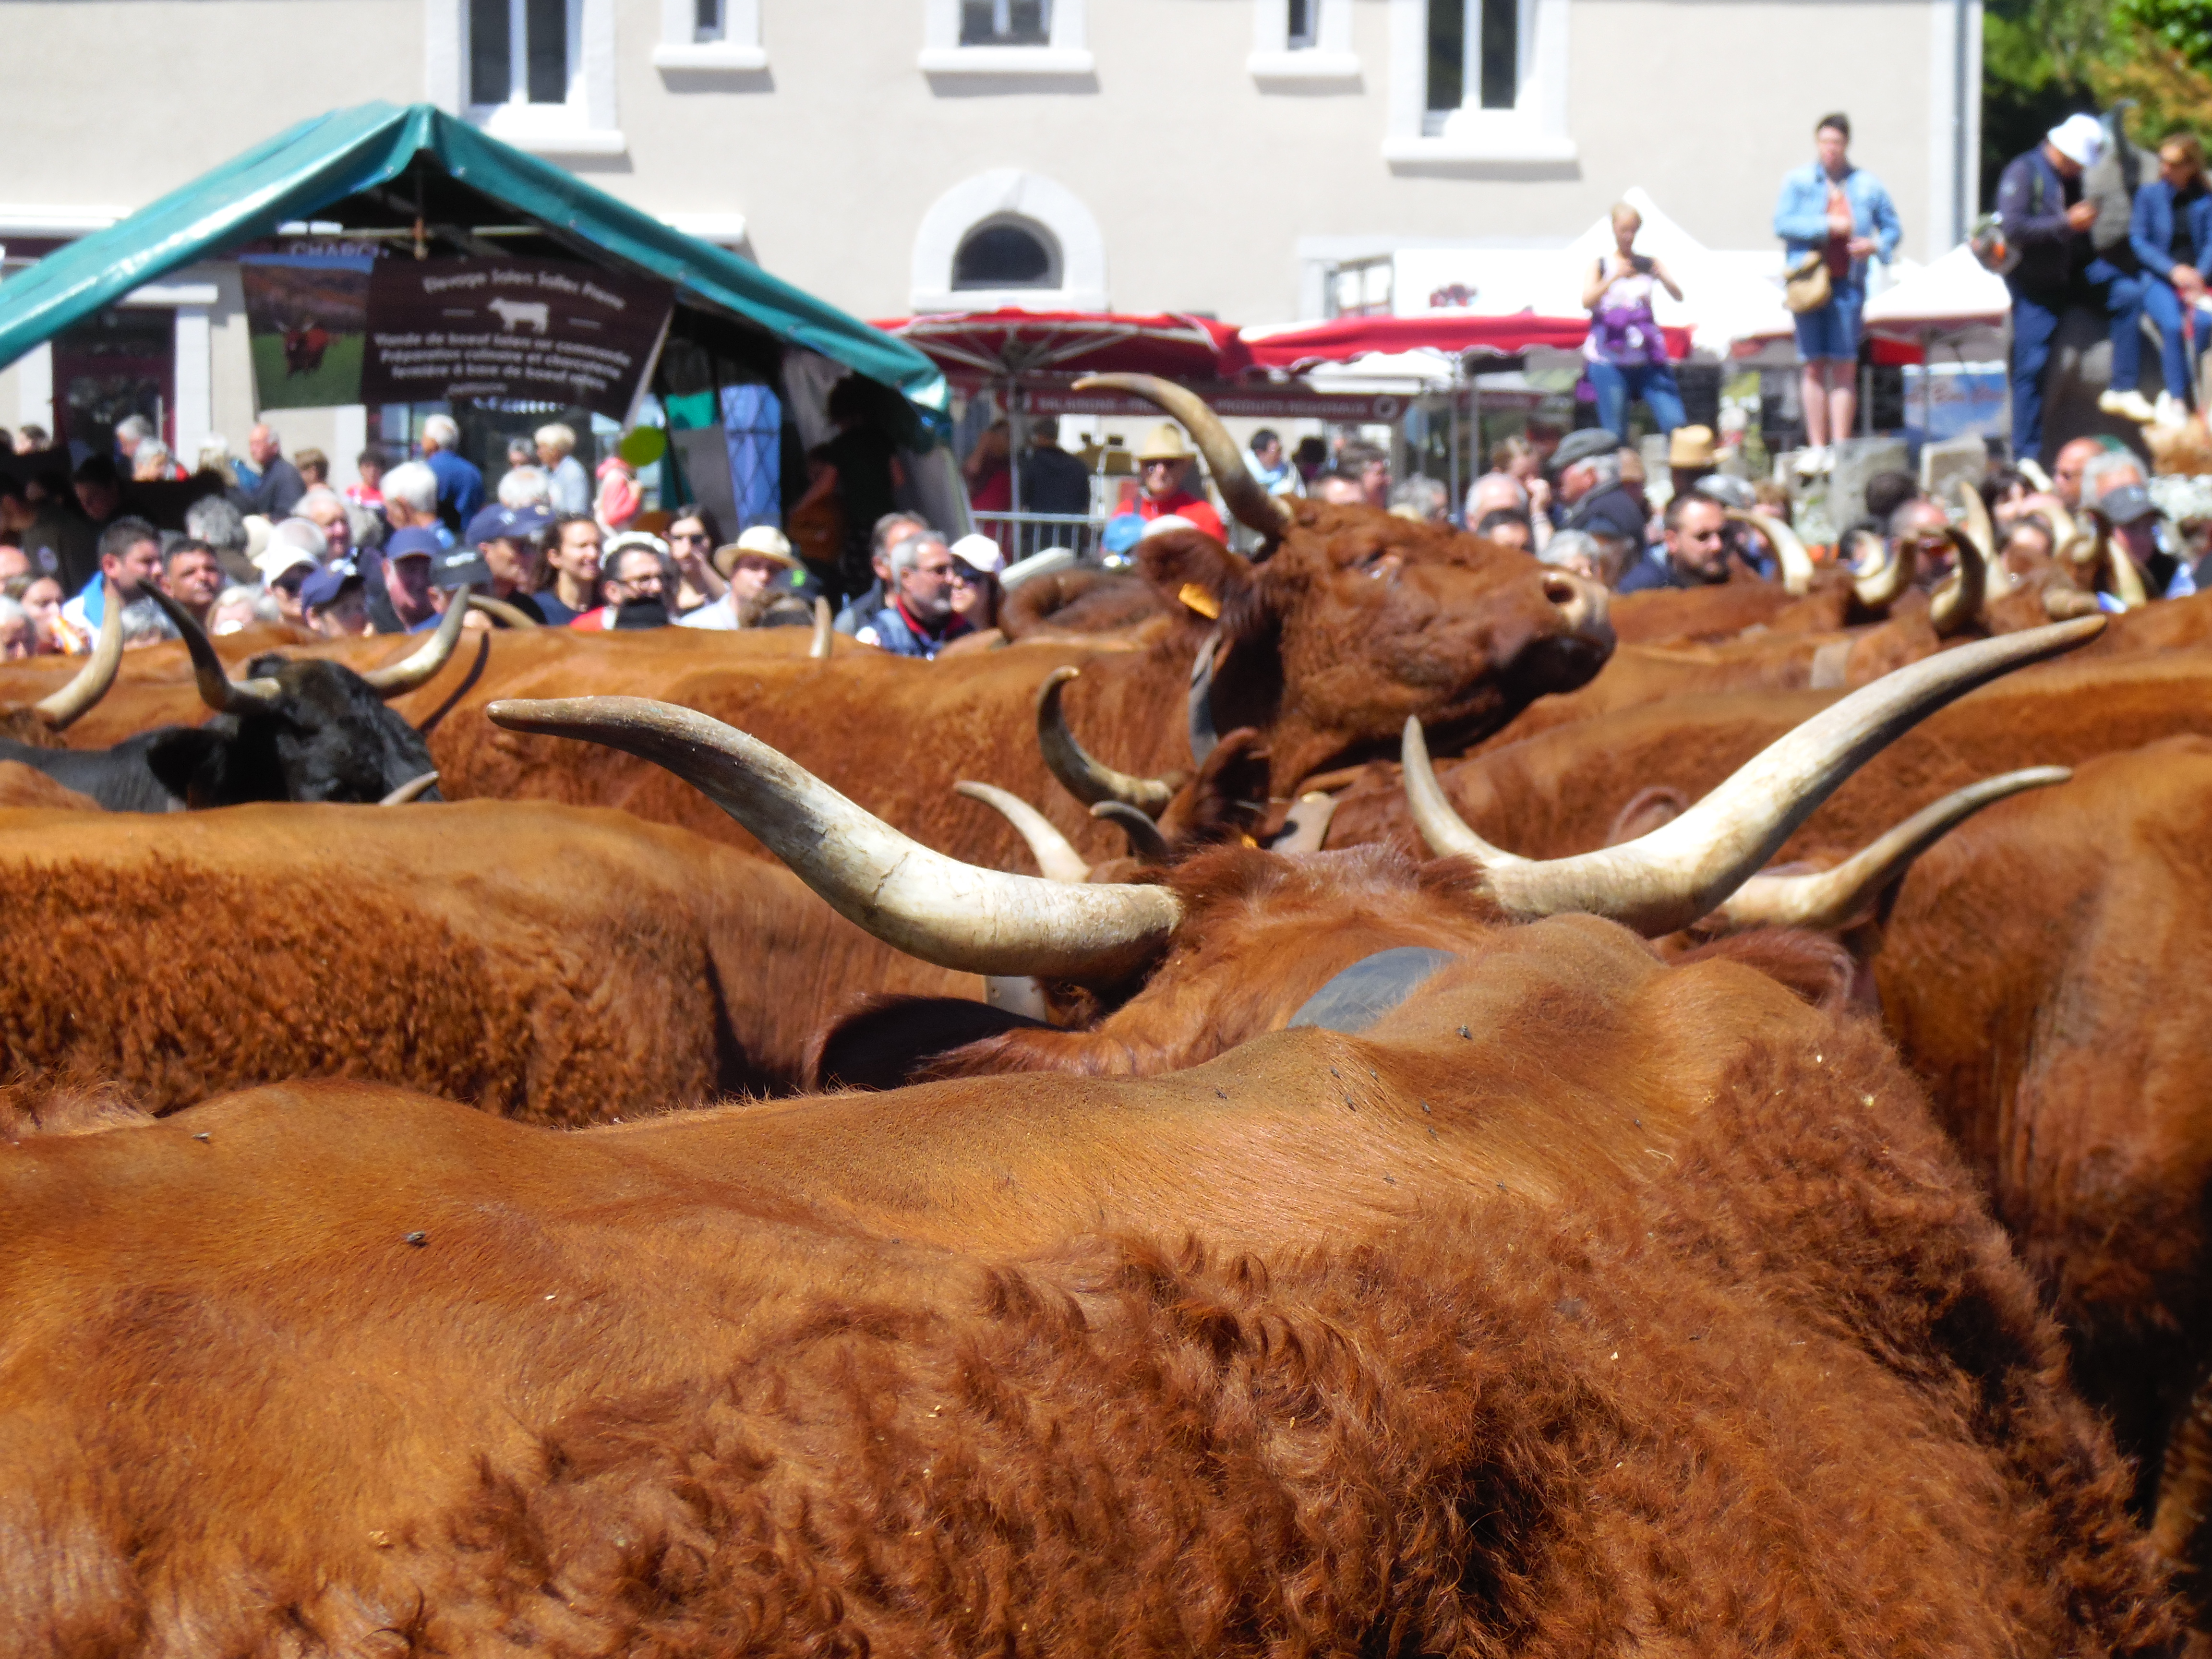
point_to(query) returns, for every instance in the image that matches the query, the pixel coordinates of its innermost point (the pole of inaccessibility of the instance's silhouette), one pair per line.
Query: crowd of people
(278, 543)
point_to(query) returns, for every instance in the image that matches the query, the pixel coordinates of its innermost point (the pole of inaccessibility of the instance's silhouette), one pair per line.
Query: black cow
(290, 731)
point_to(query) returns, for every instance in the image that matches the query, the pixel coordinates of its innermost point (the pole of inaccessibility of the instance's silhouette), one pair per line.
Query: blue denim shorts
(1833, 330)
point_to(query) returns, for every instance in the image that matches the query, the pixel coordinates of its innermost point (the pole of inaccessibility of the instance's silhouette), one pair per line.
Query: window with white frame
(1005, 22)
(522, 52)
(709, 34)
(539, 73)
(1474, 59)
(1302, 40)
(1479, 80)
(1359, 287)
(1005, 37)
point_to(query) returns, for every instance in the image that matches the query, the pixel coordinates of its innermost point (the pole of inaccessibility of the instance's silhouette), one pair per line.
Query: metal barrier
(1021, 535)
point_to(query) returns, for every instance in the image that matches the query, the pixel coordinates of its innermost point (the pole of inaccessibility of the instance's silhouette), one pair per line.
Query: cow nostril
(1561, 590)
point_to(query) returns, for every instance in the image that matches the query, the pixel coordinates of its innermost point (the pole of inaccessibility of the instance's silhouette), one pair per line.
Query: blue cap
(1123, 532)
(404, 544)
(323, 587)
(503, 524)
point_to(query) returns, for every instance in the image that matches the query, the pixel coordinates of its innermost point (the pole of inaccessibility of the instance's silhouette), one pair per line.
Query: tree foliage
(2042, 60)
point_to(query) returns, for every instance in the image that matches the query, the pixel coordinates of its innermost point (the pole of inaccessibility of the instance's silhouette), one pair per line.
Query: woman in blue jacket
(2171, 232)
(1842, 213)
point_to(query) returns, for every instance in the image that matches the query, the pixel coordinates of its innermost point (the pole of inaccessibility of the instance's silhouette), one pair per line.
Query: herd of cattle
(1714, 1162)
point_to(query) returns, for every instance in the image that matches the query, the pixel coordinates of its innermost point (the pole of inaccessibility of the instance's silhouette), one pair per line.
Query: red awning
(1340, 339)
(1008, 344)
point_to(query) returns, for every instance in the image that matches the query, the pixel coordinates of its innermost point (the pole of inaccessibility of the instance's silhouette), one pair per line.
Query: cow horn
(1996, 580)
(937, 909)
(1146, 844)
(2069, 542)
(90, 683)
(1055, 855)
(1088, 780)
(2127, 580)
(1686, 869)
(397, 679)
(412, 789)
(818, 649)
(1958, 603)
(217, 689)
(1887, 585)
(1253, 507)
(1789, 550)
(1833, 898)
(506, 615)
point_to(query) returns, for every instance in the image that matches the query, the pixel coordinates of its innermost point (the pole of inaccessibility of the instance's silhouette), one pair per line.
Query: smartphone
(1641, 263)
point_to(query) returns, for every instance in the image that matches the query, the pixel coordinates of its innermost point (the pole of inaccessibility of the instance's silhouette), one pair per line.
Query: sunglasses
(1153, 466)
(688, 536)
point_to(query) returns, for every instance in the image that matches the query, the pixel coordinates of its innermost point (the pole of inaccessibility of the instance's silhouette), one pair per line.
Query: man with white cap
(2052, 262)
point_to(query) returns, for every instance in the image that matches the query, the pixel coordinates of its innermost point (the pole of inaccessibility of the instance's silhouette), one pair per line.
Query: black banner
(525, 330)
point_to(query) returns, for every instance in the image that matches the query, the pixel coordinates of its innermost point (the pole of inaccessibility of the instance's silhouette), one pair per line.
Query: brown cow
(1577, 1305)
(552, 963)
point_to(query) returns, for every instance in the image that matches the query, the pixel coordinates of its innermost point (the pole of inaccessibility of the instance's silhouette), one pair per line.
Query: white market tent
(1956, 301)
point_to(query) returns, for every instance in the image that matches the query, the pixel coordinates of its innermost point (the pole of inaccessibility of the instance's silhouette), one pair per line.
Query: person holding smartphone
(1625, 354)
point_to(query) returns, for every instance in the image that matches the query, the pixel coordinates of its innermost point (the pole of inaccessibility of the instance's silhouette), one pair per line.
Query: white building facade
(1255, 159)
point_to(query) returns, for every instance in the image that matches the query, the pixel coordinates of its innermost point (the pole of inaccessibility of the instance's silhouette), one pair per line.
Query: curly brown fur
(553, 964)
(1695, 1338)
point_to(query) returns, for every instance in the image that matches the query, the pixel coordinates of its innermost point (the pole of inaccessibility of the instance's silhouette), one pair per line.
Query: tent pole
(1927, 387)
(1451, 441)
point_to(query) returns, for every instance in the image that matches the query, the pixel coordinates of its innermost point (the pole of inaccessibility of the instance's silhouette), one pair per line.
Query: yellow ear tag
(1197, 598)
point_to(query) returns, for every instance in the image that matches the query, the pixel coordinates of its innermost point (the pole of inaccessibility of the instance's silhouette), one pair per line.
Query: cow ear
(1194, 573)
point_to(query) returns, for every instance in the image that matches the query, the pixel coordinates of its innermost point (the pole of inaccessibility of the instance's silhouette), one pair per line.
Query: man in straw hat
(1163, 462)
(748, 565)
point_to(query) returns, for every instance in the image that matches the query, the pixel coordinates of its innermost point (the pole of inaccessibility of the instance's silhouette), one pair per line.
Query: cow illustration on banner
(459, 331)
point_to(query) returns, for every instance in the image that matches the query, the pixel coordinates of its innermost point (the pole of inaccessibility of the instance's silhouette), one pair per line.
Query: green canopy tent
(419, 175)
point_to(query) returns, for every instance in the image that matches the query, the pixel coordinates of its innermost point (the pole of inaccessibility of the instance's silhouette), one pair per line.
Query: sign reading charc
(473, 329)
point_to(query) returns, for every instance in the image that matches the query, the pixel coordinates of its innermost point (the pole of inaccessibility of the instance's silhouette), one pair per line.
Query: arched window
(1007, 253)
(1007, 238)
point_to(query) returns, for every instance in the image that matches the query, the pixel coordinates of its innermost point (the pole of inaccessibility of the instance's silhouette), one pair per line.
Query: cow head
(310, 731)
(1235, 941)
(1351, 620)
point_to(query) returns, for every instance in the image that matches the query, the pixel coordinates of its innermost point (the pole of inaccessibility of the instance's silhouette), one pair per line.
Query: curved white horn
(413, 789)
(971, 921)
(1055, 855)
(2127, 580)
(1789, 550)
(1686, 869)
(1996, 580)
(1270, 515)
(1958, 603)
(217, 689)
(1088, 780)
(90, 683)
(1887, 585)
(1831, 898)
(818, 648)
(417, 668)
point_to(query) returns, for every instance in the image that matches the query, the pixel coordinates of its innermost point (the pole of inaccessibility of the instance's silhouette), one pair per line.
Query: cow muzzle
(1581, 604)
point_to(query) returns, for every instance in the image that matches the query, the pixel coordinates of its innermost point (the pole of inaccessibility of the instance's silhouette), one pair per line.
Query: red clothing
(601, 617)
(1183, 504)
